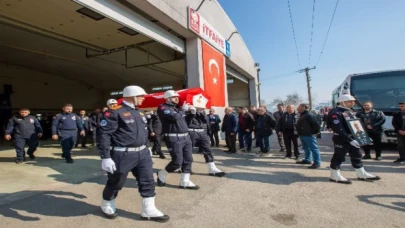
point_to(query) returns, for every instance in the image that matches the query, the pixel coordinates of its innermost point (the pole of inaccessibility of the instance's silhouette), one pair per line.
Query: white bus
(384, 88)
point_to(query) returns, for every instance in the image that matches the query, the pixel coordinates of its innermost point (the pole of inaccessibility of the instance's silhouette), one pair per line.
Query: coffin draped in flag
(194, 96)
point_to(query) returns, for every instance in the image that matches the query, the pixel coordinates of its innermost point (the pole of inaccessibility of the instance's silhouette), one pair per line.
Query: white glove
(355, 144)
(193, 110)
(108, 165)
(185, 106)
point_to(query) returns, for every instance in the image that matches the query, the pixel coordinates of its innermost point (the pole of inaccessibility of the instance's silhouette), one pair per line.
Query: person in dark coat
(265, 123)
(214, 121)
(373, 121)
(230, 127)
(277, 115)
(398, 122)
(155, 132)
(246, 126)
(286, 128)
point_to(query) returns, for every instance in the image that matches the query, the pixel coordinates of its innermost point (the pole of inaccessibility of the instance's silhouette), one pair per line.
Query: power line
(327, 34)
(280, 76)
(312, 33)
(295, 40)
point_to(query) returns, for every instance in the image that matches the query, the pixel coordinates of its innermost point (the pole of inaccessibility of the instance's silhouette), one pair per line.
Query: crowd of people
(122, 132)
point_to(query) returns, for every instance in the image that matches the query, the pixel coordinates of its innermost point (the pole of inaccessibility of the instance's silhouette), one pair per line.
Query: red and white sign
(201, 27)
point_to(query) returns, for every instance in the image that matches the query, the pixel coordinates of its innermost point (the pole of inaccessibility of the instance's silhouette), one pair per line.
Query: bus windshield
(384, 89)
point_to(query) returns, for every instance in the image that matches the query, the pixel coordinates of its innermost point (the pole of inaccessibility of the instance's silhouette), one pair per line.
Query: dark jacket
(230, 123)
(86, 122)
(277, 115)
(398, 121)
(248, 120)
(196, 121)
(268, 123)
(287, 122)
(374, 118)
(23, 127)
(307, 124)
(154, 124)
(214, 121)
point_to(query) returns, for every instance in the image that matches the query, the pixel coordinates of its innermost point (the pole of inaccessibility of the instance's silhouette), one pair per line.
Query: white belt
(197, 130)
(177, 135)
(129, 149)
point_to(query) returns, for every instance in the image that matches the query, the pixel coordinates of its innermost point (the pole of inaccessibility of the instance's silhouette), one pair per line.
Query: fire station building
(84, 52)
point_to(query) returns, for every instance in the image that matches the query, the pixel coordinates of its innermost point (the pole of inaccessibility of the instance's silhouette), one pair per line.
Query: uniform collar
(126, 103)
(170, 104)
(344, 108)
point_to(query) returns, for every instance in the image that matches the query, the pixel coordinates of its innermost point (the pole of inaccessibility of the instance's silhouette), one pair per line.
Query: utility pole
(306, 70)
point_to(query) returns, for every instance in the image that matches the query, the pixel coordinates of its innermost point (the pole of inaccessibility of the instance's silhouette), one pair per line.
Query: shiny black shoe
(69, 160)
(110, 216)
(367, 156)
(32, 156)
(219, 174)
(161, 219)
(18, 161)
(162, 156)
(313, 166)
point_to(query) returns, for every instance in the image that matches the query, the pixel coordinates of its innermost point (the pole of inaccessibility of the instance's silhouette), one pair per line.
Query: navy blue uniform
(342, 138)
(25, 131)
(214, 121)
(86, 125)
(155, 126)
(95, 123)
(123, 137)
(178, 142)
(197, 124)
(65, 125)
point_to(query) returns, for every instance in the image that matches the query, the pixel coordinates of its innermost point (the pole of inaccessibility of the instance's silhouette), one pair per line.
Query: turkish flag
(214, 74)
(194, 96)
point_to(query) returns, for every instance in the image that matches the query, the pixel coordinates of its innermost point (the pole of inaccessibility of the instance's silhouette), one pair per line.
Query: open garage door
(62, 53)
(238, 88)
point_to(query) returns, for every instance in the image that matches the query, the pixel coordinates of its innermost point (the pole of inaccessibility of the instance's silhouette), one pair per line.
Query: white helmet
(345, 97)
(171, 93)
(133, 91)
(111, 101)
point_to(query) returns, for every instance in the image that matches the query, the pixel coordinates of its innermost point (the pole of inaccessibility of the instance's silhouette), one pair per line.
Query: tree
(262, 102)
(294, 99)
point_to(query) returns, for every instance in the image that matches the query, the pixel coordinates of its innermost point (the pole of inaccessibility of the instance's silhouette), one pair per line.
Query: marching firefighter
(178, 142)
(65, 127)
(27, 130)
(197, 127)
(122, 141)
(345, 143)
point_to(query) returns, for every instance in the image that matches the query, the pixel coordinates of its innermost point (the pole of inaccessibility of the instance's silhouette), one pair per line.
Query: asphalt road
(257, 192)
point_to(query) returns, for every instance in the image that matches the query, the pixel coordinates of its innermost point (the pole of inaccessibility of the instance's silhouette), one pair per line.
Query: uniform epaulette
(116, 107)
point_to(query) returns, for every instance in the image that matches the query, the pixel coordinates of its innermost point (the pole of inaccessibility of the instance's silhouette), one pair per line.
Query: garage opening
(57, 52)
(238, 88)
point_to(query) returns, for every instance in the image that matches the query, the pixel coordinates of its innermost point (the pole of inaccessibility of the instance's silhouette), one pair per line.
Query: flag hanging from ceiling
(214, 74)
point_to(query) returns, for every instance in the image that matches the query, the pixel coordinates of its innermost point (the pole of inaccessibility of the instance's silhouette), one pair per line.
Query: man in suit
(230, 127)
(214, 122)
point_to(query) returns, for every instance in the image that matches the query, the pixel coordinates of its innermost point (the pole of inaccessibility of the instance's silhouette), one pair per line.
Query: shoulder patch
(336, 121)
(107, 113)
(162, 107)
(166, 111)
(116, 107)
(103, 123)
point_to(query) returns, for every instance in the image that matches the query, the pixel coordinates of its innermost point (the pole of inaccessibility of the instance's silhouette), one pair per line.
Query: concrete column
(194, 65)
(254, 92)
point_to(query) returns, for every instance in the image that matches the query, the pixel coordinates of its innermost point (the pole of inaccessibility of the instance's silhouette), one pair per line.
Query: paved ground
(257, 192)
